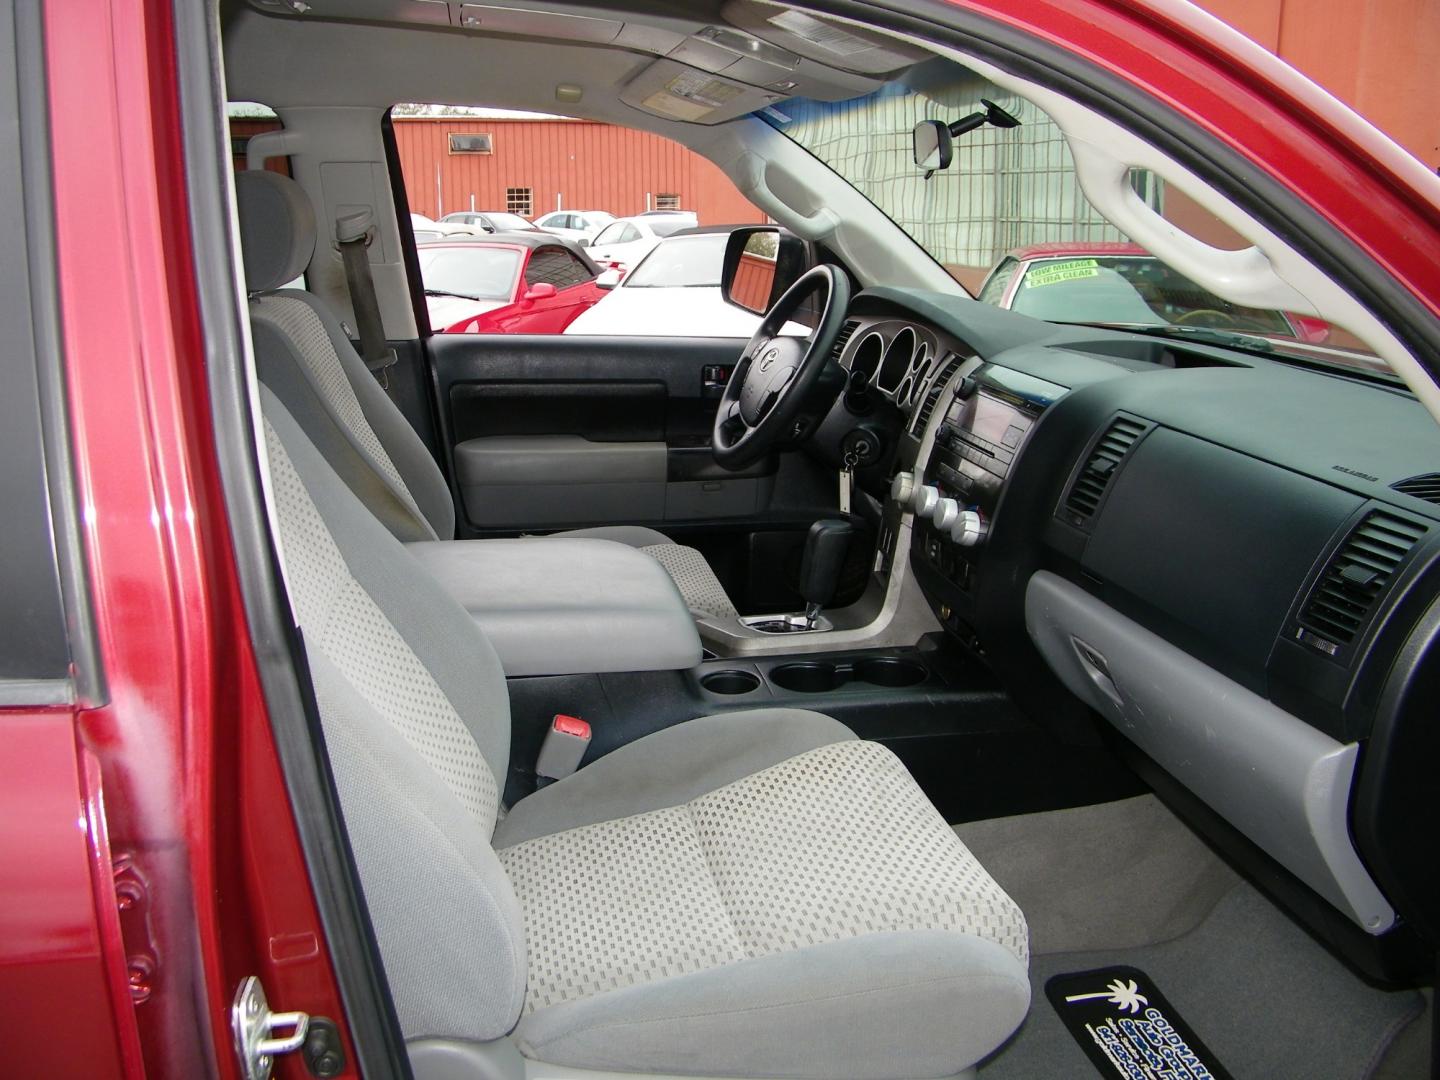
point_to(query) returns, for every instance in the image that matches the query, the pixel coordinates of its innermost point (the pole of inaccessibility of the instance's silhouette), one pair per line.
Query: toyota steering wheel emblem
(768, 359)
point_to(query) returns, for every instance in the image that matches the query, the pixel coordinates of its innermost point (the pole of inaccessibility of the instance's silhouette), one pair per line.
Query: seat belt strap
(352, 232)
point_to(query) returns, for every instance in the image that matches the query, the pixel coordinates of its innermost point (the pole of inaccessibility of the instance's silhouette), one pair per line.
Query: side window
(35, 645)
(561, 175)
(610, 234)
(556, 266)
(993, 291)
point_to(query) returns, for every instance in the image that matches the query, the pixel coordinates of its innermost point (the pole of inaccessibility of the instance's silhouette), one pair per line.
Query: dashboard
(1227, 563)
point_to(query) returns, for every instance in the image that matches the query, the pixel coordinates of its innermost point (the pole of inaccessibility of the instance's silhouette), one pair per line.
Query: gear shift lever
(825, 550)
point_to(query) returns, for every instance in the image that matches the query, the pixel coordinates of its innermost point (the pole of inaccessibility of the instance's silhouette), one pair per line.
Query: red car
(509, 283)
(1054, 666)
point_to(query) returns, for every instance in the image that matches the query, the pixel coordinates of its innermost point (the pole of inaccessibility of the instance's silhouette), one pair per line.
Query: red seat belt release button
(564, 746)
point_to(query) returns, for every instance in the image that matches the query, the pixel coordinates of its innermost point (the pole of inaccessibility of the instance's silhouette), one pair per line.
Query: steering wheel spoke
(776, 373)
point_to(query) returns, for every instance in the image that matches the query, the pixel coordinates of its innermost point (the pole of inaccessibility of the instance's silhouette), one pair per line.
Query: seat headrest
(277, 228)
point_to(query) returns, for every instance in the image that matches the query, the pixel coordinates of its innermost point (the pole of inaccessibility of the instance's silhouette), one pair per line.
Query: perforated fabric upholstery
(831, 844)
(407, 741)
(297, 321)
(342, 621)
(703, 593)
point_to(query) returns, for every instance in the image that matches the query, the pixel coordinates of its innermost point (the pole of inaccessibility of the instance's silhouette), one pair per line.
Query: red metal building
(534, 166)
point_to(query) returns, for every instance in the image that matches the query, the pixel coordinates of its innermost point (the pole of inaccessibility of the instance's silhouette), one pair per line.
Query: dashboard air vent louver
(842, 339)
(1090, 484)
(1346, 592)
(937, 385)
(1425, 486)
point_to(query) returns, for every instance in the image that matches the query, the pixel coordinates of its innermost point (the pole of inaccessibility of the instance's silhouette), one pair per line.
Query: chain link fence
(1007, 188)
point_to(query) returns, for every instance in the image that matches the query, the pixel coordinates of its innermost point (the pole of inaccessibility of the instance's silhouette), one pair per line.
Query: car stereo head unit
(984, 426)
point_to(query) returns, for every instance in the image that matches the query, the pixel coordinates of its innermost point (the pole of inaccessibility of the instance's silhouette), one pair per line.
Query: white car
(625, 241)
(426, 229)
(581, 226)
(675, 291)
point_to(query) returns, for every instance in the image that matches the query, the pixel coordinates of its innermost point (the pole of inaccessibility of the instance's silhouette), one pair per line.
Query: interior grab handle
(1242, 277)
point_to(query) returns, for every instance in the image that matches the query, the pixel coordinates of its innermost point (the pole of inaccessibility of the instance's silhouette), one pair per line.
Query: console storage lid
(565, 606)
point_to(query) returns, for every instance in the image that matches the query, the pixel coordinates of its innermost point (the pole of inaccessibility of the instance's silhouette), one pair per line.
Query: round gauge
(866, 360)
(902, 395)
(897, 360)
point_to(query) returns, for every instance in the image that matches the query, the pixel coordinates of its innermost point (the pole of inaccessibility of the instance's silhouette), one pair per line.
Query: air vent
(1346, 593)
(937, 386)
(1089, 487)
(1425, 486)
(843, 338)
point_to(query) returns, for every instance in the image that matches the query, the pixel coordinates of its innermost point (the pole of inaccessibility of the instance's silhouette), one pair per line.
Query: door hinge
(262, 1035)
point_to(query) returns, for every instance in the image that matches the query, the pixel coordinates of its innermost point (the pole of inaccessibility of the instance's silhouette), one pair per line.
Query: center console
(987, 418)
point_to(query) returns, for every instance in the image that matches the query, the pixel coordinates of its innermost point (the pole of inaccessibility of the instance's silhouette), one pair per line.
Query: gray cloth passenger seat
(755, 894)
(304, 356)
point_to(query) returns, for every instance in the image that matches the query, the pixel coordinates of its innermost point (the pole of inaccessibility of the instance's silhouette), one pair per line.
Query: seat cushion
(704, 595)
(561, 607)
(796, 907)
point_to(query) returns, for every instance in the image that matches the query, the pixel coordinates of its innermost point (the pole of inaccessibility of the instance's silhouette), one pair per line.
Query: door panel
(557, 420)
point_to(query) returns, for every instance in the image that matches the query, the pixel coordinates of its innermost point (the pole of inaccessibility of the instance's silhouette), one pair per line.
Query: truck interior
(933, 661)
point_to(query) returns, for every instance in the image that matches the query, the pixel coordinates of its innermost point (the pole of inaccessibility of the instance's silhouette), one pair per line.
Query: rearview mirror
(761, 262)
(608, 279)
(932, 146)
(541, 290)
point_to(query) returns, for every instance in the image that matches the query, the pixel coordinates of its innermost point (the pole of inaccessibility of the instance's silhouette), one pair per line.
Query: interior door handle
(713, 378)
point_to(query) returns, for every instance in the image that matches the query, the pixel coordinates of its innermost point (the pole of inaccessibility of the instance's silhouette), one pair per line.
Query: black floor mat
(1268, 1001)
(1128, 1029)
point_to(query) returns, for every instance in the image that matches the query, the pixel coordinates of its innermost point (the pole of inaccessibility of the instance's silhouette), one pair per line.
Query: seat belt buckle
(564, 747)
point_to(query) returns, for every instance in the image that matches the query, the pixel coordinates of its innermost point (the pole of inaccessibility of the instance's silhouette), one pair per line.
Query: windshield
(682, 262)
(665, 226)
(508, 222)
(478, 273)
(1010, 206)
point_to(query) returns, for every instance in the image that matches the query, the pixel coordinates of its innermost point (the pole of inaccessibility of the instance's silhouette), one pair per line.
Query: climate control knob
(969, 528)
(945, 514)
(926, 499)
(902, 489)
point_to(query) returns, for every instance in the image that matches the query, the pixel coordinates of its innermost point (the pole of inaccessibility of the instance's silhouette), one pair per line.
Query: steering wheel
(775, 374)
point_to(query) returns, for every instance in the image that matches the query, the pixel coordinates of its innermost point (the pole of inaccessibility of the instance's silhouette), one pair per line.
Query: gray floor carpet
(1072, 871)
(1260, 993)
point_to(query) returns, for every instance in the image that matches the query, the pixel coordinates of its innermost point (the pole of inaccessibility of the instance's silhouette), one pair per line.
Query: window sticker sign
(1127, 1028)
(1055, 273)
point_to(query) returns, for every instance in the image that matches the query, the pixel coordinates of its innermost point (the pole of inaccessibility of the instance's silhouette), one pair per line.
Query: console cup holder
(816, 677)
(730, 682)
(808, 678)
(890, 671)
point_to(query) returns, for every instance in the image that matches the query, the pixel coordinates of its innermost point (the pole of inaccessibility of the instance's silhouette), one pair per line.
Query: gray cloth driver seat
(304, 356)
(754, 894)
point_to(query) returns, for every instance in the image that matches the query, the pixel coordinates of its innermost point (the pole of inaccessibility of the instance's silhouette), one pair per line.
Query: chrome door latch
(262, 1035)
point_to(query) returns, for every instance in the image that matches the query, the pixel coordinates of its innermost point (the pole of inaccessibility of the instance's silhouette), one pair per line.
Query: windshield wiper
(1204, 334)
(446, 292)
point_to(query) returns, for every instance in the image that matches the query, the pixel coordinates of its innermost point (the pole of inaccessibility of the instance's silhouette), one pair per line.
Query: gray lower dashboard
(1278, 780)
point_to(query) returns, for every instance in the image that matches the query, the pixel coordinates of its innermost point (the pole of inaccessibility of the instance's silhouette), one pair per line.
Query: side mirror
(932, 146)
(760, 264)
(608, 279)
(1309, 329)
(541, 290)
(582, 242)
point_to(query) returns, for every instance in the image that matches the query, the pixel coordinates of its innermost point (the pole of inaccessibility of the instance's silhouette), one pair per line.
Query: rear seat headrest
(277, 228)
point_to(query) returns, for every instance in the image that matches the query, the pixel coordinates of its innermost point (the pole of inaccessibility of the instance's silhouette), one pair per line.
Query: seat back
(416, 718)
(304, 356)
